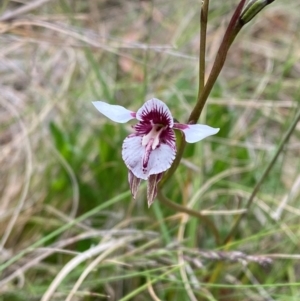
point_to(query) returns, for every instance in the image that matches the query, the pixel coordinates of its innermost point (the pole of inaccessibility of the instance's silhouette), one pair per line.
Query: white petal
(155, 108)
(160, 159)
(114, 112)
(132, 154)
(196, 132)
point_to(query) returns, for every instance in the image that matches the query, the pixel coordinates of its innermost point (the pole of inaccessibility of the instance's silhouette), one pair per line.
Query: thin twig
(265, 175)
(22, 10)
(190, 212)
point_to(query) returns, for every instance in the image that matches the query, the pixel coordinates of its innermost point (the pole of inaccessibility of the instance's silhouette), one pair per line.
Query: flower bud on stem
(252, 9)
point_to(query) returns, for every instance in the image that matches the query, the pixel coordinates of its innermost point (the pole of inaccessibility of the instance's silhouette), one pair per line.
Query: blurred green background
(69, 229)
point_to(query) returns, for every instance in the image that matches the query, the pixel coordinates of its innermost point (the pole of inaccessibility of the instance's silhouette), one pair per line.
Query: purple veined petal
(152, 187)
(134, 183)
(195, 132)
(114, 112)
(160, 159)
(156, 112)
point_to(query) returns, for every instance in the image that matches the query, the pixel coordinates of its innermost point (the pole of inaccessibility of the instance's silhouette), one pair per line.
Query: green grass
(66, 213)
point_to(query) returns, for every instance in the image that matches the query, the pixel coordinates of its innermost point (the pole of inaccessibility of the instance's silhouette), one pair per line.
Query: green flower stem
(264, 176)
(202, 47)
(190, 212)
(233, 29)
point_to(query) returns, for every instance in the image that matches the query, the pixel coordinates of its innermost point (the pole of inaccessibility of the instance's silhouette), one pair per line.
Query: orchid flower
(151, 149)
